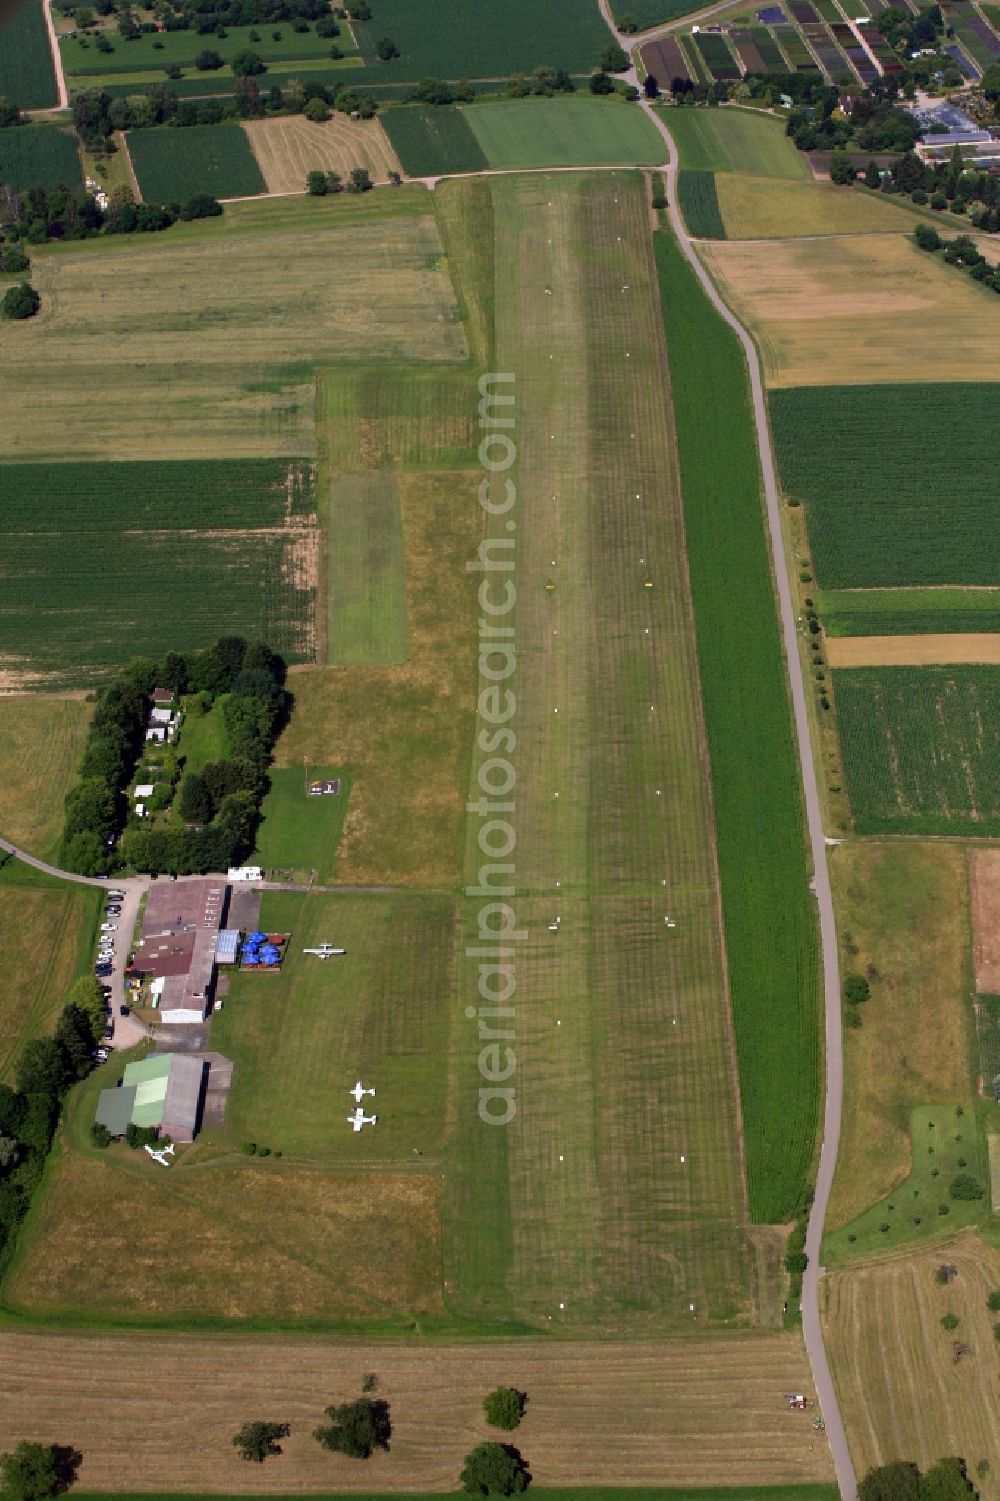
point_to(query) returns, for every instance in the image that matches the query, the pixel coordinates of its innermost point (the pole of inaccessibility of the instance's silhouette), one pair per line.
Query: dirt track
(157, 1412)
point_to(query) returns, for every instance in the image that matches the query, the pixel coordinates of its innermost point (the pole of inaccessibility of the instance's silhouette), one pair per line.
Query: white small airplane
(161, 1157)
(325, 951)
(359, 1119)
(359, 1091)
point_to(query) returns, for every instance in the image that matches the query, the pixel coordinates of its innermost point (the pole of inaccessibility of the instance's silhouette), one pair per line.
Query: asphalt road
(811, 1327)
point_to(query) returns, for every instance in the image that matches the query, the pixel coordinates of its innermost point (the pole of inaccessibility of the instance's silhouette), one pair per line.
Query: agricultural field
(902, 1391)
(367, 586)
(917, 756)
(215, 329)
(762, 208)
(26, 72)
(33, 154)
(237, 541)
(456, 39)
(769, 922)
(881, 523)
(152, 52)
(172, 165)
(41, 740)
(699, 203)
(856, 309)
(300, 833)
(564, 132)
(178, 1437)
(649, 13)
(300, 1039)
(48, 929)
(908, 612)
(903, 908)
(913, 651)
(664, 59)
(431, 140)
(289, 147)
(735, 140)
(716, 56)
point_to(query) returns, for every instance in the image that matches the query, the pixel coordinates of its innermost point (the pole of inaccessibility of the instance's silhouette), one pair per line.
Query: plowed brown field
(158, 1413)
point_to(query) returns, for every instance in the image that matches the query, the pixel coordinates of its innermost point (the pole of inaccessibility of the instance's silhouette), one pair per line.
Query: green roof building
(149, 1078)
(114, 1110)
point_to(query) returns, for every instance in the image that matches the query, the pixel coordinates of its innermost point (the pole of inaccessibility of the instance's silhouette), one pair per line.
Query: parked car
(123, 1010)
(102, 1055)
(113, 911)
(109, 927)
(116, 896)
(103, 969)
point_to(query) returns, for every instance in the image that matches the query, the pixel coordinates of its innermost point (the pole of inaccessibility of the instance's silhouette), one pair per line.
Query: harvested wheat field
(287, 149)
(984, 892)
(913, 651)
(158, 1413)
(855, 310)
(903, 1393)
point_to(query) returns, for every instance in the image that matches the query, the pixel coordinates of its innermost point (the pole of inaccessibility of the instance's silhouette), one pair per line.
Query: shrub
(950, 1322)
(856, 989)
(964, 1186)
(20, 302)
(257, 1440)
(993, 1301)
(100, 1135)
(504, 1407)
(13, 260)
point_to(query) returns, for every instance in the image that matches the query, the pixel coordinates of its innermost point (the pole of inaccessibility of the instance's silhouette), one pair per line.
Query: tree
(386, 49)
(10, 1149)
(504, 1407)
(20, 302)
(195, 802)
(316, 184)
(256, 1441)
(873, 175)
(494, 1469)
(856, 990)
(208, 61)
(947, 1481)
(361, 181)
(899, 1481)
(316, 110)
(30, 1473)
(650, 87)
(75, 1037)
(614, 59)
(356, 1429)
(41, 1069)
(13, 261)
(927, 237)
(600, 83)
(841, 170)
(246, 63)
(965, 1186)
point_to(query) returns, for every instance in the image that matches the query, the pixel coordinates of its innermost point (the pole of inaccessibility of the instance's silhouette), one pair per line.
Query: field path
(56, 55)
(811, 1327)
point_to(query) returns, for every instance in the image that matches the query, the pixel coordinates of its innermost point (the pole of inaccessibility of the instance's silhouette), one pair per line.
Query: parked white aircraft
(359, 1091)
(325, 951)
(161, 1157)
(359, 1119)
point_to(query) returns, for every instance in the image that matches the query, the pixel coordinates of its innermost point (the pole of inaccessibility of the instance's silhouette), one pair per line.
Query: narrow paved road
(811, 1327)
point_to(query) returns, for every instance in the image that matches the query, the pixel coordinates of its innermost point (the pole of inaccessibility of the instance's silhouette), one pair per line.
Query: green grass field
(367, 590)
(699, 204)
(769, 919)
(735, 140)
(171, 165)
(907, 612)
(215, 329)
(39, 154)
(944, 1142)
(615, 1192)
(564, 132)
(153, 53)
(919, 757)
(203, 736)
(433, 139)
(457, 39)
(41, 741)
(550, 1493)
(298, 832)
(26, 72)
(112, 560)
(902, 516)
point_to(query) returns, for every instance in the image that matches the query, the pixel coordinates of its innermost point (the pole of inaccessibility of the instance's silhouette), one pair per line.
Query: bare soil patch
(984, 891)
(913, 651)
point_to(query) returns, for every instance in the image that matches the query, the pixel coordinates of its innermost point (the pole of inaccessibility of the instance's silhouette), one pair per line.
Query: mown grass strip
(700, 205)
(769, 923)
(909, 612)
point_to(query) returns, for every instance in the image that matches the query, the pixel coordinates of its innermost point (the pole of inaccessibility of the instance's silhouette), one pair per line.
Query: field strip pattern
(641, 1413)
(624, 1044)
(289, 148)
(913, 651)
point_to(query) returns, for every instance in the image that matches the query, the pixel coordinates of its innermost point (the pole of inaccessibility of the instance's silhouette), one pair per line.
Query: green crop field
(769, 918)
(39, 154)
(735, 140)
(154, 52)
(919, 754)
(300, 833)
(653, 12)
(899, 482)
(716, 55)
(908, 612)
(26, 72)
(366, 586)
(213, 331)
(107, 561)
(171, 165)
(699, 204)
(458, 39)
(565, 132)
(432, 140)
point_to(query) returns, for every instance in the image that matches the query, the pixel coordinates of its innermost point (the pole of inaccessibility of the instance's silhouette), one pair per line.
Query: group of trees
(319, 184)
(39, 214)
(961, 252)
(46, 1069)
(361, 1427)
(33, 1472)
(941, 185)
(221, 804)
(197, 15)
(877, 122)
(903, 1481)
